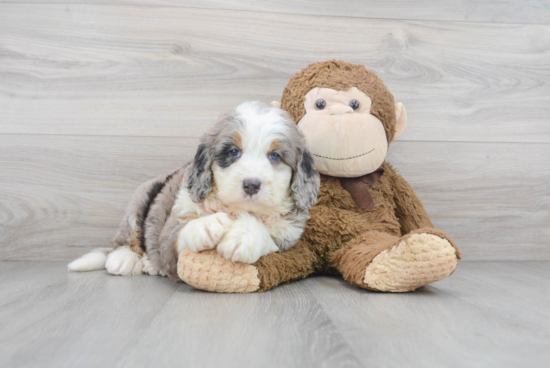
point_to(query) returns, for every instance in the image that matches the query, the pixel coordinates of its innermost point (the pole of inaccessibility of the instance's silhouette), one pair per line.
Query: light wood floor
(487, 314)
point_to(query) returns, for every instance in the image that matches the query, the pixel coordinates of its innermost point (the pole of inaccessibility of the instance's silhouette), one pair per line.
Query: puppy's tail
(95, 260)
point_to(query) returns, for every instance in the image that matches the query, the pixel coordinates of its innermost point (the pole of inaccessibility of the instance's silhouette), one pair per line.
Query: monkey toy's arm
(210, 271)
(410, 211)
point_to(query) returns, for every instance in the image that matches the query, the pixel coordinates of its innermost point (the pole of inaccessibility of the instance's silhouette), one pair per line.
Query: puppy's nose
(251, 186)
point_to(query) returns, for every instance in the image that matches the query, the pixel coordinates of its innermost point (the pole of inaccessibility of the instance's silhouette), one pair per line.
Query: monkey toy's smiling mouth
(349, 147)
(345, 158)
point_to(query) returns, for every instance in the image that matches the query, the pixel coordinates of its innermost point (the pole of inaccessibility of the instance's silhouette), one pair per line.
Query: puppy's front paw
(246, 241)
(204, 233)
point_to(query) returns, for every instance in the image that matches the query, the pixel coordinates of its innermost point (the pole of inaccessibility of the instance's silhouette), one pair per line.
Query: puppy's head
(254, 157)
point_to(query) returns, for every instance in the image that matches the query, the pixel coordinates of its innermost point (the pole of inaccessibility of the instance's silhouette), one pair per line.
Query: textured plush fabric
(207, 271)
(418, 260)
(341, 76)
(344, 239)
(395, 237)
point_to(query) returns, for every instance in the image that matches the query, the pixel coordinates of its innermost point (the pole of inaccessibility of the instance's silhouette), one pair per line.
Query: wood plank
(169, 71)
(93, 319)
(504, 11)
(76, 319)
(282, 328)
(29, 281)
(528, 283)
(459, 322)
(485, 314)
(60, 195)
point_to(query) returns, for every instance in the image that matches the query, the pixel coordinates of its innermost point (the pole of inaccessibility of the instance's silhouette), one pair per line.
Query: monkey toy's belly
(336, 219)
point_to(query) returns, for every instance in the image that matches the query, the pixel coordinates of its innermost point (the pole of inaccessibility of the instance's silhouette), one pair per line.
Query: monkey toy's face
(343, 136)
(345, 139)
(347, 115)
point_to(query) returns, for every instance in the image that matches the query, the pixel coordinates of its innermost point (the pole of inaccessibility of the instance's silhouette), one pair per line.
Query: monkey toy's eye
(235, 153)
(354, 104)
(320, 104)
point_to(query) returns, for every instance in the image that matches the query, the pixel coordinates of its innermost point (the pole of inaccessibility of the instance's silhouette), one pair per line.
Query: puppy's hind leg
(128, 257)
(124, 262)
(147, 267)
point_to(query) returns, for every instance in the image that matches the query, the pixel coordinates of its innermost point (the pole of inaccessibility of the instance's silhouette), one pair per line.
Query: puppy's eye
(234, 153)
(274, 156)
(320, 104)
(354, 104)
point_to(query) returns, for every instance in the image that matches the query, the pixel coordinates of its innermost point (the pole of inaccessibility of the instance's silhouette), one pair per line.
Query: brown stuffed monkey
(368, 224)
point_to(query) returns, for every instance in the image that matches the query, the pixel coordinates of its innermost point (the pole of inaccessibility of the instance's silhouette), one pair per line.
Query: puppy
(247, 193)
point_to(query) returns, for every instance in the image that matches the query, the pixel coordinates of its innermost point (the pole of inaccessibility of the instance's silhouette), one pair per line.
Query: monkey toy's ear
(276, 104)
(401, 119)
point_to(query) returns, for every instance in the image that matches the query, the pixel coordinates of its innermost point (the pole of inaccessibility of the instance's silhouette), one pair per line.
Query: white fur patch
(204, 233)
(123, 262)
(285, 232)
(184, 206)
(246, 241)
(257, 133)
(92, 261)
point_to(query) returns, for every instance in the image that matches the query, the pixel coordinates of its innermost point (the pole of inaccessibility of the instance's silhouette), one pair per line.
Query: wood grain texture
(95, 99)
(524, 282)
(473, 318)
(169, 71)
(67, 320)
(486, 314)
(61, 195)
(283, 328)
(503, 11)
(493, 199)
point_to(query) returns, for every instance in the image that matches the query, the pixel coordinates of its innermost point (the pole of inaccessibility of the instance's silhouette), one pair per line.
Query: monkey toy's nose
(340, 109)
(251, 186)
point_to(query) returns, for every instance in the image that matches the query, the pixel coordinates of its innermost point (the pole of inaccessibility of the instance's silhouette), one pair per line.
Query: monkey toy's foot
(209, 271)
(416, 260)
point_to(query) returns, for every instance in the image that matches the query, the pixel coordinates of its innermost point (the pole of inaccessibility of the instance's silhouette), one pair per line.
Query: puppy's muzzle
(251, 186)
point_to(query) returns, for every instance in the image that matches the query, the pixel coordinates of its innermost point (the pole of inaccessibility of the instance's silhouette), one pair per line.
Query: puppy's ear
(199, 175)
(306, 181)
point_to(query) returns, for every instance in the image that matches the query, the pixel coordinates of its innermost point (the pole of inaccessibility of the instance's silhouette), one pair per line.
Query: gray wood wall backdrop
(95, 98)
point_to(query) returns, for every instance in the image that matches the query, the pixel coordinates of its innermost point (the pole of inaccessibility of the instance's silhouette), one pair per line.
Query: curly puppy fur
(205, 204)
